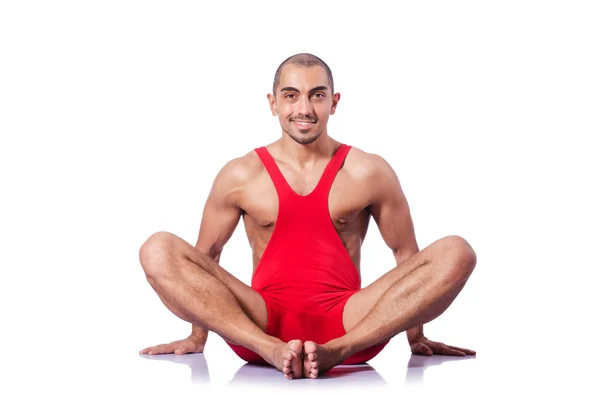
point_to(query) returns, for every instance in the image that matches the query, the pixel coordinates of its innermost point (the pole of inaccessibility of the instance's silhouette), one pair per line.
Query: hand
(425, 347)
(191, 344)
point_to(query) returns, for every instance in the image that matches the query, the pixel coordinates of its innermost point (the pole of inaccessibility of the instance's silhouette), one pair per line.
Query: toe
(310, 347)
(294, 354)
(296, 346)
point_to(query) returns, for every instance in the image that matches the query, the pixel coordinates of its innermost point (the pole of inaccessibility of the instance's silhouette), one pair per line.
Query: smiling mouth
(304, 122)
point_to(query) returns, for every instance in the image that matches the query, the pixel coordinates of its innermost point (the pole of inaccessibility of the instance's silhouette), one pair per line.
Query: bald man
(306, 201)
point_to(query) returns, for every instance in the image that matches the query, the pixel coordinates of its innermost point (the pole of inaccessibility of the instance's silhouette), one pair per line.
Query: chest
(346, 202)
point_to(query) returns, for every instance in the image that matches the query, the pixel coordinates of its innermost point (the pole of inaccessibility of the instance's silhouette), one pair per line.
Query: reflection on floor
(355, 377)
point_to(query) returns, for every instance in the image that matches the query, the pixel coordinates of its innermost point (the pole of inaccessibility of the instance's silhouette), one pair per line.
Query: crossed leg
(196, 289)
(413, 293)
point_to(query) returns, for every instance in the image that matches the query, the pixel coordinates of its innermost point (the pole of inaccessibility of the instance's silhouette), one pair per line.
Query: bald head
(304, 60)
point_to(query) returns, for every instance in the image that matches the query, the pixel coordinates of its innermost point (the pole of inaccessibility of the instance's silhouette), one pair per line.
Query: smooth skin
(192, 285)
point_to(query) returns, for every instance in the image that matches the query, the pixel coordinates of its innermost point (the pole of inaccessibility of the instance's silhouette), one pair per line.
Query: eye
(289, 96)
(319, 95)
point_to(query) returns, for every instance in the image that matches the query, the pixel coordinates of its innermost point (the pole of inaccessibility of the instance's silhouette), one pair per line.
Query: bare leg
(414, 293)
(196, 289)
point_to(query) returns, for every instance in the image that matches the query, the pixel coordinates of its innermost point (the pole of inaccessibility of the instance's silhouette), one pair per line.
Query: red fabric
(305, 274)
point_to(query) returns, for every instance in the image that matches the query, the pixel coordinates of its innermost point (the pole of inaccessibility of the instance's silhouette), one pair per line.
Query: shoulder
(242, 168)
(236, 173)
(366, 166)
(374, 174)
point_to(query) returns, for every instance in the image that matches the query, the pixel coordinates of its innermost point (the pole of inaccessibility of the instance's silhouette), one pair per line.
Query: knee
(157, 253)
(460, 256)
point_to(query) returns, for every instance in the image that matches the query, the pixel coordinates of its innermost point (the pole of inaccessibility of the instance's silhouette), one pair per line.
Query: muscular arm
(220, 216)
(391, 212)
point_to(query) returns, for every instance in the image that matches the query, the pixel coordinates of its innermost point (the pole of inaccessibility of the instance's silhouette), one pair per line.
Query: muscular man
(306, 201)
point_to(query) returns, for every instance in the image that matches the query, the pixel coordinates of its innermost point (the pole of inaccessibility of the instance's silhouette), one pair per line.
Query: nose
(304, 106)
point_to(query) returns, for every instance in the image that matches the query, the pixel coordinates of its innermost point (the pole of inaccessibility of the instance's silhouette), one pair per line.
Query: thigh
(359, 304)
(251, 302)
(443, 252)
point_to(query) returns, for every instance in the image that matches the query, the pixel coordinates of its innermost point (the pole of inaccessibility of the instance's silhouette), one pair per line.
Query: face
(303, 102)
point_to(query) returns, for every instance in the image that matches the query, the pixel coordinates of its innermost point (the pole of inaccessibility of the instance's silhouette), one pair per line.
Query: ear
(336, 99)
(272, 104)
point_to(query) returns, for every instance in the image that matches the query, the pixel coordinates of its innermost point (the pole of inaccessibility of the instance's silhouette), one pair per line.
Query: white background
(115, 116)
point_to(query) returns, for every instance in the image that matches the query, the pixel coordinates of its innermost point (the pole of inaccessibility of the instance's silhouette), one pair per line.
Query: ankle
(340, 347)
(266, 347)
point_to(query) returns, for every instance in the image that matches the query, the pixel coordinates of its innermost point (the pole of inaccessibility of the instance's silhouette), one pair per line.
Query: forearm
(415, 332)
(197, 330)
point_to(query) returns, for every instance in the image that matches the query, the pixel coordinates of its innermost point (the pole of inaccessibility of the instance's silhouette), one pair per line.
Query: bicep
(220, 216)
(219, 221)
(391, 212)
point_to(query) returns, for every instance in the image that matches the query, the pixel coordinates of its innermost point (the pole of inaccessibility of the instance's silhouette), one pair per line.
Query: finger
(468, 352)
(149, 349)
(423, 349)
(189, 346)
(163, 349)
(442, 349)
(184, 349)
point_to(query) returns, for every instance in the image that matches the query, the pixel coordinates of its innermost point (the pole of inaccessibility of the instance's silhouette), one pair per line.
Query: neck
(306, 155)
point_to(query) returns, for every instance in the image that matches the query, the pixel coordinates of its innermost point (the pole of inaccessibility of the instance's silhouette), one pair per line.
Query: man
(306, 201)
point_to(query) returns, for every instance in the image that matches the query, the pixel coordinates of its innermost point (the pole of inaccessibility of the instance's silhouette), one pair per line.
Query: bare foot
(288, 359)
(319, 359)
